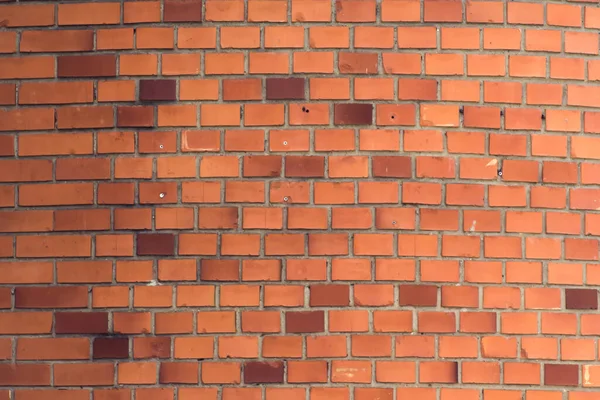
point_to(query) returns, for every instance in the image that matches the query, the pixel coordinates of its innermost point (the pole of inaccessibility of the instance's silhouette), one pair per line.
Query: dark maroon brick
(135, 116)
(285, 89)
(353, 114)
(103, 65)
(581, 299)
(182, 11)
(158, 90)
(418, 295)
(305, 166)
(81, 322)
(392, 167)
(263, 372)
(329, 295)
(111, 348)
(305, 321)
(561, 375)
(155, 244)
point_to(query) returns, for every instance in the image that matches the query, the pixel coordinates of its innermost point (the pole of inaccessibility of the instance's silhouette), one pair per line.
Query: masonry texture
(299, 200)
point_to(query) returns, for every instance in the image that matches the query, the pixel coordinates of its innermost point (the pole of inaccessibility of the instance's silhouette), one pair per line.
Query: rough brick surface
(299, 199)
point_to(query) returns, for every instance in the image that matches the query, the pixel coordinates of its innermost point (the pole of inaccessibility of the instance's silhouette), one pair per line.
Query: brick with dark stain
(392, 167)
(155, 244)
(305, 166)
(152, 347)
(305, 321)
(353, 114)
(111, 348)
(285, 89)
(263, 372)
(102, 65)
(182, 11)
(81, 322)
(135, 116)
(158, 90)
(581, 299)
(329, 295)
(561, 375)
(262, 166)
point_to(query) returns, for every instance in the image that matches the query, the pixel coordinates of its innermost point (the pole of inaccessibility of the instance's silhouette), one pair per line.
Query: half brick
(353, 114)
(158, 90)
(285, 89)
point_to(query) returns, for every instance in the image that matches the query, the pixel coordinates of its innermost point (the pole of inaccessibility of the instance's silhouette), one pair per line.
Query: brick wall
(299, 200)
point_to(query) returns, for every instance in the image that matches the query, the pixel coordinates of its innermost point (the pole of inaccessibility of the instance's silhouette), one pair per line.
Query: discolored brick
(182, 11)
(392, 167)
(285, 88)
(155, 244)
(158, 90)
(353, 114)
(135, 116)
(581, 299)
(329, 295)
(102, 65)
(418, 295)
(263, 372)
(111, 348)
(561, 375)
(305, 321)
(305, 166)
(81, 323)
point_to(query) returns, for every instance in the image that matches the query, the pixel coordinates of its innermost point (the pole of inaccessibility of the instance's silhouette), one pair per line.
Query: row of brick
(320, 295)
(296, 166)
(325, 193)
(273, 372)
(319, 244)
(343, 11)
(293, 37)
(251, 89)
(316, 270)
(303, 62)
(296, 140)
(300, 218)
(404, 322)
(426, 347)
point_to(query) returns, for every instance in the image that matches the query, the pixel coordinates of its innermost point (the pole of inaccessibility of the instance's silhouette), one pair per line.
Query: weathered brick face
(299, 200)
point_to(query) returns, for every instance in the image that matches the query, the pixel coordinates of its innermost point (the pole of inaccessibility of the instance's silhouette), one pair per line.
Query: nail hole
(162, 195)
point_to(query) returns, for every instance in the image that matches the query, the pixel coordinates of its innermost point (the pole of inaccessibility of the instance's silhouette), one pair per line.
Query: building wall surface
(299, 200)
